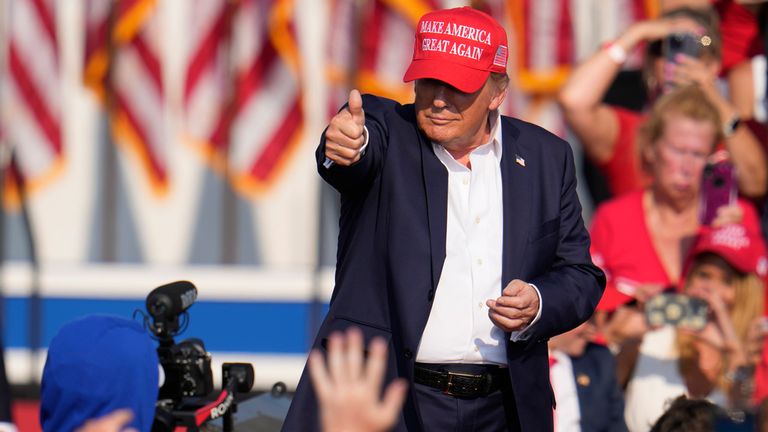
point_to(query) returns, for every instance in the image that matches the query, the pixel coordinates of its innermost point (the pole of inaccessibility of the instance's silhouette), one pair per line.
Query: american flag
(32, 95)
(242, 94)
(544, 43)
(125, 73)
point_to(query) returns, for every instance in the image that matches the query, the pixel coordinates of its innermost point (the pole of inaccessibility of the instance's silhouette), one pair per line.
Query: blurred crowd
(681, 231)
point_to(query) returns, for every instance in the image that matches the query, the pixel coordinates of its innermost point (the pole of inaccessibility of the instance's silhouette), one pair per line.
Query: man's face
(452, 118)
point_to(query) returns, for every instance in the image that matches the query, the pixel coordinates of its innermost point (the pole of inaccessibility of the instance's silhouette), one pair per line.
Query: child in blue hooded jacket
(97, 365)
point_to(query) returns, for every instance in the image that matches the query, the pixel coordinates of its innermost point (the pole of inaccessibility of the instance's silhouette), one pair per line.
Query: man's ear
(498, 99)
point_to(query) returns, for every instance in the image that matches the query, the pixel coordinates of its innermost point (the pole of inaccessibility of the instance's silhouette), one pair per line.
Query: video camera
(184, 403)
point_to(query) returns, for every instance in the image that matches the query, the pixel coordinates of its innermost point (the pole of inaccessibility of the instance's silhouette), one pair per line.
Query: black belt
(461, 384)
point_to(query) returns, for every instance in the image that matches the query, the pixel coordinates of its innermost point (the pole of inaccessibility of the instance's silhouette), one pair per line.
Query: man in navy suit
(461, 240)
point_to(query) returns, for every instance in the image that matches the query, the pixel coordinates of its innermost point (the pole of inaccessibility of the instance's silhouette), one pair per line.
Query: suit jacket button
(408, 354)
(431, 295)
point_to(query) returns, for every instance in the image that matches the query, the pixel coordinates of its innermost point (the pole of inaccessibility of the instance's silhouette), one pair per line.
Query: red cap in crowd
(741, 248)
(618, 293)
(460, 46)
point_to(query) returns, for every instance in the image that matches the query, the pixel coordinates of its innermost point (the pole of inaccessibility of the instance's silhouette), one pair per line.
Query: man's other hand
(344, 137)
(516, 308)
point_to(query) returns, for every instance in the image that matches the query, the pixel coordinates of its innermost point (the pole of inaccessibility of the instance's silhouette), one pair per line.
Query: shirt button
(465, 181)
(480, 305)
(479, 262)
(477, 219)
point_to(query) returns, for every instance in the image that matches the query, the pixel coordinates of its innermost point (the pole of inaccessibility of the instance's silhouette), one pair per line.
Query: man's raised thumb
(356, 105)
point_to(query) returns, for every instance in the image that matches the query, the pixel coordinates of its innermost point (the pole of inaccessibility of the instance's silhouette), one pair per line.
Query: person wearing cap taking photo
(461, 240)
(714, 359)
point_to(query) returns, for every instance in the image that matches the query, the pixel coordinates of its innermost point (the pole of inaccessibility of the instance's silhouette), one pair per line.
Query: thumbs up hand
(344, 137)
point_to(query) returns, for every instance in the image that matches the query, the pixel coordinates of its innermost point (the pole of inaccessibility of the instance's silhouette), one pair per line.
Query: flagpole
(229, 216)
(109, 159)
(35, 319)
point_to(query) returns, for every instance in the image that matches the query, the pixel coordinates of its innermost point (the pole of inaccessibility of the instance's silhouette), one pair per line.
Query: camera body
(187, 367)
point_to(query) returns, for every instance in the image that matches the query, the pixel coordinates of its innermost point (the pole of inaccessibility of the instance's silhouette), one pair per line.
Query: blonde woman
(726, 269)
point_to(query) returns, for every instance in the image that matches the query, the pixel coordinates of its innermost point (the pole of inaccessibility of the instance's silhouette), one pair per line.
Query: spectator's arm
(594, 123)
(748, 156)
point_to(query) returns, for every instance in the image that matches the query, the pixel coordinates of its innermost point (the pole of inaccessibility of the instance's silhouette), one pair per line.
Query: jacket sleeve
(572, 287)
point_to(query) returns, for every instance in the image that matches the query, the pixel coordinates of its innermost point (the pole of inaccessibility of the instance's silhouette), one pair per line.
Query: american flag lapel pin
(520, 161)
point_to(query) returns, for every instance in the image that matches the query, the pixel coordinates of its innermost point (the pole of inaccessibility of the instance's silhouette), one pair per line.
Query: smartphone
(678, 310)
(678, 43)
(718, 188)
(681, 43)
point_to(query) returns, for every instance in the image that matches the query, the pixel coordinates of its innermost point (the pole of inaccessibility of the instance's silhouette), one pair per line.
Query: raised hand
(662, 27)
(345, 134)
(348, 386)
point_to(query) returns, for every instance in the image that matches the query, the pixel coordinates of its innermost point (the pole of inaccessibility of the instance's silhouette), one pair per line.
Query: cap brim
(466, 79)
(737, 262)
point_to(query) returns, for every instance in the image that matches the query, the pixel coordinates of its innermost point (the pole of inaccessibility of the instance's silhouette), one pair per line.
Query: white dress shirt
(459, 329)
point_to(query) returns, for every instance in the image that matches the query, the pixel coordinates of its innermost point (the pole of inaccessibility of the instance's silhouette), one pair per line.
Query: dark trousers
(445, 413)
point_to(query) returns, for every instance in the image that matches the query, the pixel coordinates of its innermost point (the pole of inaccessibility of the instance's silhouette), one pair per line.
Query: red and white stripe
(544, 43)
(134, 92)
(205, 87)
(32, 91)
(244, 78)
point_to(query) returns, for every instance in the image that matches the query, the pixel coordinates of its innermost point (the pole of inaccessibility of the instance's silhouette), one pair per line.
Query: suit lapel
(517, 193)
(435, 178)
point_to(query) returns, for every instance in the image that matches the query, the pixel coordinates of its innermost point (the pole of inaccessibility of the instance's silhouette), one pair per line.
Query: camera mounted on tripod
(182, 402)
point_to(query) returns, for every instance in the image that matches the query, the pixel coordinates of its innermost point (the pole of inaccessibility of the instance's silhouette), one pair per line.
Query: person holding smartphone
(641, 239)
(726, 269)
(683, 47)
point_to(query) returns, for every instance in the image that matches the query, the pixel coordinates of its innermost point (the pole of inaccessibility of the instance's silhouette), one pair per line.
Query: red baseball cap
(742, 248)
(459, 46)
(618, 292)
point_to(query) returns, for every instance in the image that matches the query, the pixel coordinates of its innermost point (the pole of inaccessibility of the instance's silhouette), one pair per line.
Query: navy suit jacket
(391, 250)
(601, 401)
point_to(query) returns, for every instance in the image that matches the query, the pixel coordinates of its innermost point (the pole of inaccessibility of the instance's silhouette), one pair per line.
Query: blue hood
(96, 365)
